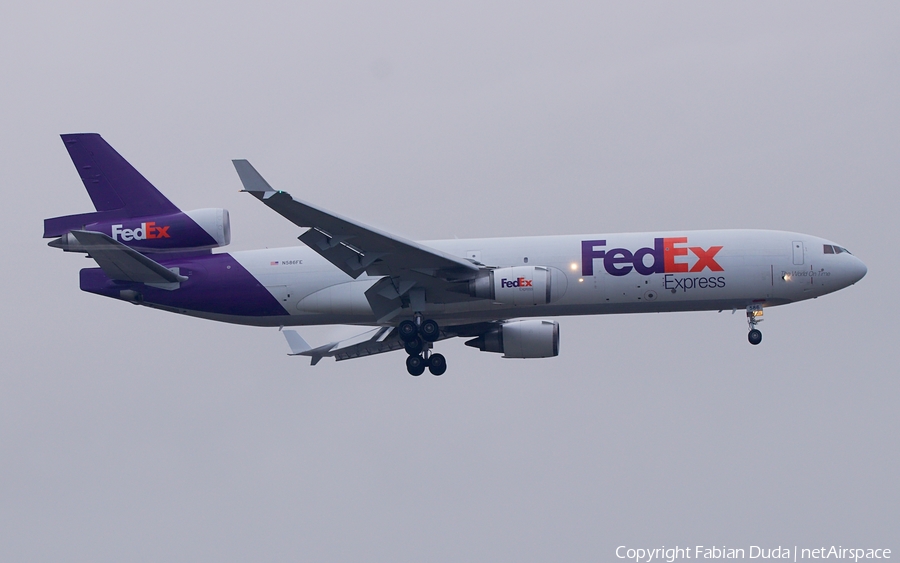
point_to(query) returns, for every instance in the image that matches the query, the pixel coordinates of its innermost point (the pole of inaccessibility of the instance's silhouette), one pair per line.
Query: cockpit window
(834, 249)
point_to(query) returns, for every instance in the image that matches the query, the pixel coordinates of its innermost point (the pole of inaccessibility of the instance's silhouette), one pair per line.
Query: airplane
(496, 292)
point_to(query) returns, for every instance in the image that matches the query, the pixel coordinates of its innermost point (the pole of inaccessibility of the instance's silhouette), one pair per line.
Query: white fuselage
(700, 270)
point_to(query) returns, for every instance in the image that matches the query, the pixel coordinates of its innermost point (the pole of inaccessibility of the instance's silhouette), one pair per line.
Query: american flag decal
(275, 263)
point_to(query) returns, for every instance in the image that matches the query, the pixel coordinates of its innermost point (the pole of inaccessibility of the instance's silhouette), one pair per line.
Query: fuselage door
(798, 252)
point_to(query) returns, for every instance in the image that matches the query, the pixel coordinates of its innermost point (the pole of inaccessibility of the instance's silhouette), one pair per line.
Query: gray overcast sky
(128, 434)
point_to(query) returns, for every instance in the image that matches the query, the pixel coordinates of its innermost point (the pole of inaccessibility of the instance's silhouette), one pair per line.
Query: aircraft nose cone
(857, 270)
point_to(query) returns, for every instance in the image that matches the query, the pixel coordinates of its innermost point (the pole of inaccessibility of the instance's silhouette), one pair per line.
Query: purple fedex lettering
(520, 282)
(618, 256)
(620, 261)
(588, 253)
(656, 252)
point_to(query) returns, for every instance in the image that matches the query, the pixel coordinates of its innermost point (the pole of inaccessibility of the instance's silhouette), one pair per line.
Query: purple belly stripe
(216, 283)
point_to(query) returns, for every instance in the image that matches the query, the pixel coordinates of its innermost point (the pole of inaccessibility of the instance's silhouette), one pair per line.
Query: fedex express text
(662, 258)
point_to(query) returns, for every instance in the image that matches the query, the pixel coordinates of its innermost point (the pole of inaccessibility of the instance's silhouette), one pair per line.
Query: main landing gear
(754, 317)
(417, 339)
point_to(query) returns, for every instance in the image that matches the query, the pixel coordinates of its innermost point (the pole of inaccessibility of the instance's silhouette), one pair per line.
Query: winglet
(296, 342)
(252, 180)
(299, 347)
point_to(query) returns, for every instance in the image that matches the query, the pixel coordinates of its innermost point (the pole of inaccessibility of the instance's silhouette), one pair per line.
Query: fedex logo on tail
(664, 258)
(148, 230)
(520, 282)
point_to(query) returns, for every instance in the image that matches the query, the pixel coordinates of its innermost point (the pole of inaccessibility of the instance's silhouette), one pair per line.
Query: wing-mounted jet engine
(520, 339)
(520, 285)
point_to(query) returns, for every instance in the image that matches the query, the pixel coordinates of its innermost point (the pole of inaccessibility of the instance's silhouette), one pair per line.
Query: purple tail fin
(111, 182)
(116, 188)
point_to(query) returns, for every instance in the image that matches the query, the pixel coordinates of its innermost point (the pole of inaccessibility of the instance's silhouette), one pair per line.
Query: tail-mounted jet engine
(200, 229)
(520, 285)
(521, 339)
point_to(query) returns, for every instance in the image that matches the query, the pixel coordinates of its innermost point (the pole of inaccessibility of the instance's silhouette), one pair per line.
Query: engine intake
(521, 339)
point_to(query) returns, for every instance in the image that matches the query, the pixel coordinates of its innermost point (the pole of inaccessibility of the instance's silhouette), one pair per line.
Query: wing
(426, 274)
(351, 246)
(375, 341)
(379, 340)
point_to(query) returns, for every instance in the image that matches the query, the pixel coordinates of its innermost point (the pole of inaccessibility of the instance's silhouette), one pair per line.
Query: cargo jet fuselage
(416, 293)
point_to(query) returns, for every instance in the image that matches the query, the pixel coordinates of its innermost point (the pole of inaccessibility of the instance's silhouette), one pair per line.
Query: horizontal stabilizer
(58, 226)
(122, 263)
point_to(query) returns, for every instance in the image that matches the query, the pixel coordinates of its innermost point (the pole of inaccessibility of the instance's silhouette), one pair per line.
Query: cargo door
(798, 252)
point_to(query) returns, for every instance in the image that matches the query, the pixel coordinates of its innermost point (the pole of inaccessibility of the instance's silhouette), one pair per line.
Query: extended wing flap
(383, 339)
(351, 246)
(119, 262)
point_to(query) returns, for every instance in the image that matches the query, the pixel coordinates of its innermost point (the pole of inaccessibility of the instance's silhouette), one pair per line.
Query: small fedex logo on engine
(662, 258)
(147, 230)
(518, 282)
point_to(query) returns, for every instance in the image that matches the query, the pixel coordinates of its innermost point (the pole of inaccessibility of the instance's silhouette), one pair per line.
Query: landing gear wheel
(754, 317)
(430, 331)
(414, 347)
(755, 336)
(408, 331)
(437, 364)
(415, 365)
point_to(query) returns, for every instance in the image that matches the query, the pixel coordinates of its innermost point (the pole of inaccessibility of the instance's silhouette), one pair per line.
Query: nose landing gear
(754, 317)
(754, 336)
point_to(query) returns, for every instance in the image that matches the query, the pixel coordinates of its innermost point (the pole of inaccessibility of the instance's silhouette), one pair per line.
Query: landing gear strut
(754, 317)
(417, 339)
